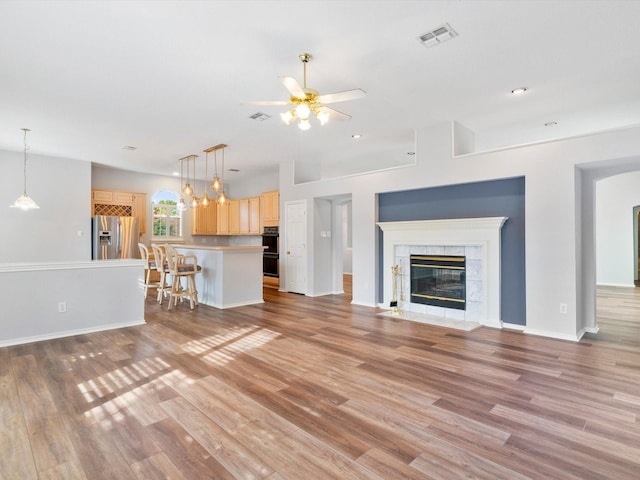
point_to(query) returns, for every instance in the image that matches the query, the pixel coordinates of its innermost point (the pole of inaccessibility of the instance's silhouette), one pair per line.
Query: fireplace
(477, 240)
(438, 280)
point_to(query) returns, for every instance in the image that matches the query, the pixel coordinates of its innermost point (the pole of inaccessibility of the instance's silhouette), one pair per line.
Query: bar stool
(163, 269)
(150, 265)
(182, 266)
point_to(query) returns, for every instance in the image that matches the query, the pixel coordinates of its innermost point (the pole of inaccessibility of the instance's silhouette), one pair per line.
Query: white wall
(554, 236)
(615, 198)
(61, 229)
(97, 295)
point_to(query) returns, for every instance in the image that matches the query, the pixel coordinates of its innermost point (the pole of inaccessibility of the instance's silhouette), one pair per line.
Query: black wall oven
(271, 240)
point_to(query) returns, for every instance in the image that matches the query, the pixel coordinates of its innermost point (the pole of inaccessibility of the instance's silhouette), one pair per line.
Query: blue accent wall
(495, 198)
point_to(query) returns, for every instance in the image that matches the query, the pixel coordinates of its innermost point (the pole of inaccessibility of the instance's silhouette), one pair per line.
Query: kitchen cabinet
(223, 218)
(139, 201)
(234, 217)
(120, 204)
(240, 216)
(254, 216)
(270, 203)
(204, 220)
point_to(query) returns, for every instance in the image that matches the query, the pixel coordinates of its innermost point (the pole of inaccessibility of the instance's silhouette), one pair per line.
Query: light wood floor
(315, 388)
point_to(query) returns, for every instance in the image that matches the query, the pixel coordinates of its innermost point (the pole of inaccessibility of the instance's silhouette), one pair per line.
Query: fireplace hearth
(438, 280)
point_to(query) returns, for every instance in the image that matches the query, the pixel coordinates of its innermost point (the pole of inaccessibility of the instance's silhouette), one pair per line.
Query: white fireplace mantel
(465, 232)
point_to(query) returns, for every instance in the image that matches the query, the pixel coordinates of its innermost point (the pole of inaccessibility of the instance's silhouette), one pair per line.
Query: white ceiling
(167, 77)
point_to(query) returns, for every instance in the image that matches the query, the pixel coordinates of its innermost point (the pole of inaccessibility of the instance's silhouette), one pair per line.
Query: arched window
(167, 219)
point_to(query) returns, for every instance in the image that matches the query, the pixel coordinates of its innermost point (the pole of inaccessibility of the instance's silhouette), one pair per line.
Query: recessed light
(550, 124)
(356, 135)
(129, 147)
(519, 90)
(176, 174)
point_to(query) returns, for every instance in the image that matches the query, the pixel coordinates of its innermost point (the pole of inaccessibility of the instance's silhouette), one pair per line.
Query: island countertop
(229, 248)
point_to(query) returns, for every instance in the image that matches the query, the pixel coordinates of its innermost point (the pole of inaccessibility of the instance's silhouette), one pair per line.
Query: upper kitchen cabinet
(249, 212)
(120, 204)
(271, 208)
(204, 220)
(223, 218)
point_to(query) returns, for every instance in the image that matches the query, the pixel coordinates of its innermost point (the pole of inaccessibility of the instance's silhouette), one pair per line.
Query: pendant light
(222, 198)
(205, 198)
(187, 191)
(24, 201)
(216, 184)
(195, 201)
(181, 205)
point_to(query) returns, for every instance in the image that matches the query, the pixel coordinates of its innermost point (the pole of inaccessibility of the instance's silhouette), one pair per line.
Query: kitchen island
(231, 275)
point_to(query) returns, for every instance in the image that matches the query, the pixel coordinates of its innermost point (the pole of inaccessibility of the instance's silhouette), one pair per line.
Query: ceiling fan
(307, 100)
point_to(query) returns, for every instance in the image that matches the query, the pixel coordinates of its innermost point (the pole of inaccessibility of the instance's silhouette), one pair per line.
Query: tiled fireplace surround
(478, 239)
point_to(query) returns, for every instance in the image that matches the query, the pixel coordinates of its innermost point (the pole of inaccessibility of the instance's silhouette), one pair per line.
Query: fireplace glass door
(438, 280)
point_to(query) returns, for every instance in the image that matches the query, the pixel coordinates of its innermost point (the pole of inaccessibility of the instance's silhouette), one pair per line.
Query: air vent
(438, 35)
(261, 117)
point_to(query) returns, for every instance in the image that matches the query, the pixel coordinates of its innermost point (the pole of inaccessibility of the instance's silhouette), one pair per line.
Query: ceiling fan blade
(266, 102)
(354, 94)
(294, 88)
(335, 114)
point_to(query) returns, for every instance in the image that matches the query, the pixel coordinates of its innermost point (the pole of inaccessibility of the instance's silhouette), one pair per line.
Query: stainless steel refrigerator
(114, 237)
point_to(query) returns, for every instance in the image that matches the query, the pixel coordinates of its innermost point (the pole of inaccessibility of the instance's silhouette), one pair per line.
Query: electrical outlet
(563, 308)
(62, 307)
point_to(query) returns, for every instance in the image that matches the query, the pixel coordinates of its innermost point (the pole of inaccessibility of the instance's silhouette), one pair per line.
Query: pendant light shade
(24, 201)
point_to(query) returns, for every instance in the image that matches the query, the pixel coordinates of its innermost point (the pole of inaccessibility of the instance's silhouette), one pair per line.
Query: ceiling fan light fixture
(323, 117)
(304, 124)
(303, 111)
(287, 116)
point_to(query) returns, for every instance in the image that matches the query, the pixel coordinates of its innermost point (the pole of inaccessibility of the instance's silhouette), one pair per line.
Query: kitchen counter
(231, 275)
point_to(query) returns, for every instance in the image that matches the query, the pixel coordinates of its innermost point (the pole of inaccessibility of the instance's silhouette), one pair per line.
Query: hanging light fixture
(222, 198)
(217, 184)
(204, 201)
(181, 205)
(24, 201)
(187, 190)
(195, 201)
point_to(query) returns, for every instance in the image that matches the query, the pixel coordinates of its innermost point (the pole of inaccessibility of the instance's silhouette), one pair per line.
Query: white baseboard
(514, 326)
(69, 333)
(557, 336)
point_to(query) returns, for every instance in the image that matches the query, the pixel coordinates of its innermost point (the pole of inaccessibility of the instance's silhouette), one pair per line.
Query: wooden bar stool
(150, 265)
(163, 270)
(182, 266)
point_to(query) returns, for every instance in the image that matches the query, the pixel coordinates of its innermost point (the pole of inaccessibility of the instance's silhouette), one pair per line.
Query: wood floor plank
(157, 467)
(16, 457)
(231, 454)
(48, 436)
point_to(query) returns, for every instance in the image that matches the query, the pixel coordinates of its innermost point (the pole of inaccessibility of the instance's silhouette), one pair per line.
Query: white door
(296, 246)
